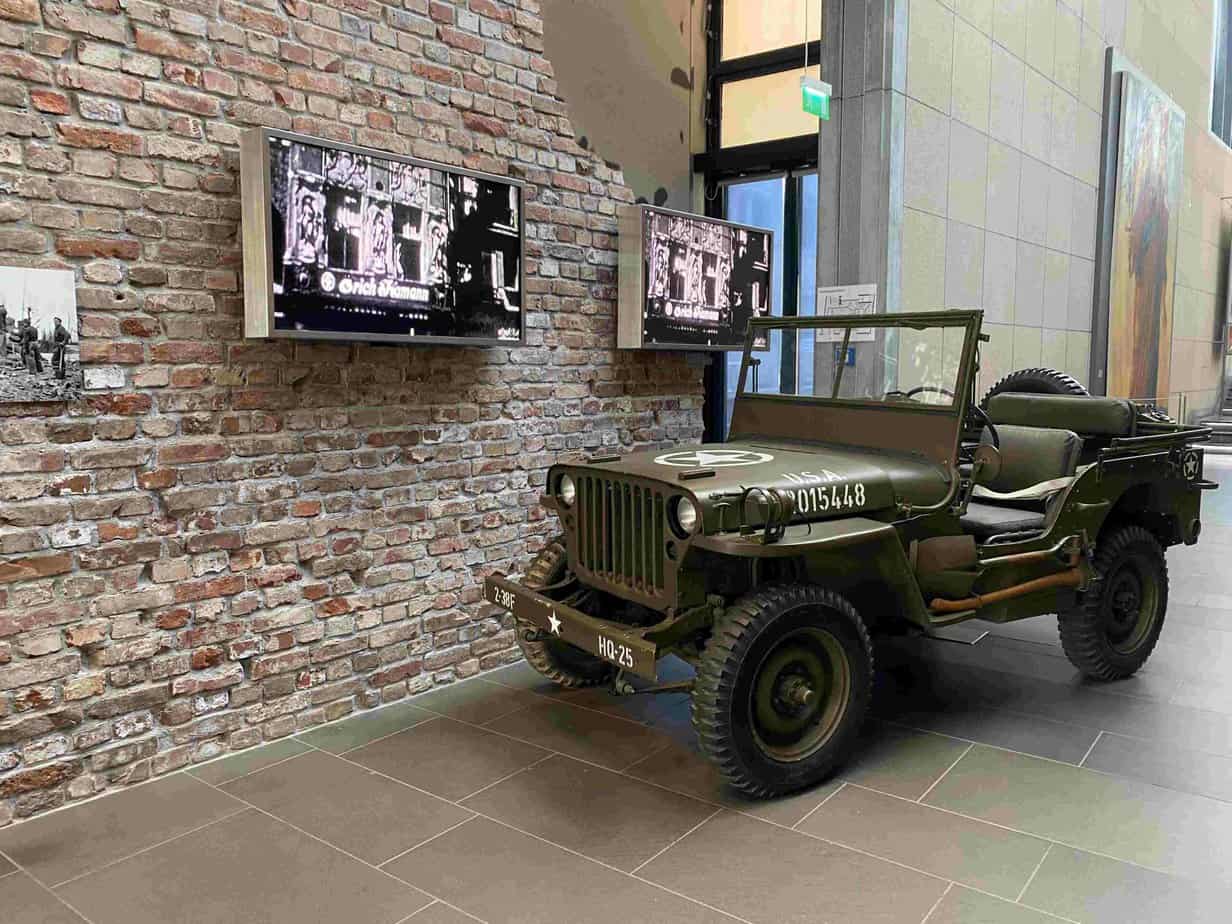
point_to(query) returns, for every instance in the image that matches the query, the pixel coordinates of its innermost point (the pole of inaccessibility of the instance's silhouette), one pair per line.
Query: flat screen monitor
(688, 282)
(349, 243)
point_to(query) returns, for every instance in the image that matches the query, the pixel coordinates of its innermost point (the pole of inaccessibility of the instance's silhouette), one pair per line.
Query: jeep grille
(620, 535)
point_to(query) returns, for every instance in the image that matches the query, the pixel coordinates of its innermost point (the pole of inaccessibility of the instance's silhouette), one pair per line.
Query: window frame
(1220, 123)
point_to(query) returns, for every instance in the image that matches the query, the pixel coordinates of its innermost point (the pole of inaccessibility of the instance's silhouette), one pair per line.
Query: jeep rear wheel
(783, 688)
(1111, 633)
(561, 663)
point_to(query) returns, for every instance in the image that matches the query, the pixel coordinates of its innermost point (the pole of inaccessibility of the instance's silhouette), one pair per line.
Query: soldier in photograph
(59, 349)
(30, 354)
(4, 332)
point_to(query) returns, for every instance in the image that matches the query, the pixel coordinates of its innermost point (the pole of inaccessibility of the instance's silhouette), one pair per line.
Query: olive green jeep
(862, 492)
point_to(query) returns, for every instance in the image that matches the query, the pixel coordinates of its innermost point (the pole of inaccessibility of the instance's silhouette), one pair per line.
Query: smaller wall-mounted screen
(348, 243)
(688, 282)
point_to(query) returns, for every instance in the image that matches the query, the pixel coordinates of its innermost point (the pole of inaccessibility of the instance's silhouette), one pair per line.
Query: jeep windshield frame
(893, 420)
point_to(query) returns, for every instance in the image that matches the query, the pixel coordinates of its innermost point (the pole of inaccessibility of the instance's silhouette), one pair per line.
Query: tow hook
(534, 635)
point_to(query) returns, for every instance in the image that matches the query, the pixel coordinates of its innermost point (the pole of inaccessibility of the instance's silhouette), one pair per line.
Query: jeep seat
(1036, 464)
(1090, 416)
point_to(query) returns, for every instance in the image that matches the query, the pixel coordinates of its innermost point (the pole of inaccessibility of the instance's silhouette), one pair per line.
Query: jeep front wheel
(782, 688)
(559, 662)
(1112, 631)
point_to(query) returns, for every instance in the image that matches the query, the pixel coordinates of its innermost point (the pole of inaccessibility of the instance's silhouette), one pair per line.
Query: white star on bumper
(554, 622)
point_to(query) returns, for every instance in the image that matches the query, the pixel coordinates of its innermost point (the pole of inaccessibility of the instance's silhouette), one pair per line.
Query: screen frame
(634, 283)
(258, 243)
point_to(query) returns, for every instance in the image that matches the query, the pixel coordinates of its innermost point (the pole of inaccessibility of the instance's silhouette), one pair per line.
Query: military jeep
(863, 491)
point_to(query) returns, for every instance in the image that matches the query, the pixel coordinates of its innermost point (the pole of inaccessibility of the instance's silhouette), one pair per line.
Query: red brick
(169, 46)
(158, 478)
(206, 590)
(109, 139)
(181, 453)
(109, 248)
(175, 98)
(42, 778)
(39, 566)
(20, 10)
(24, 67)
(204, 658)
(106, 83)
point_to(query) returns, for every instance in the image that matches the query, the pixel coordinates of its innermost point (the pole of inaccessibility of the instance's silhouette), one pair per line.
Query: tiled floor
(993, 786)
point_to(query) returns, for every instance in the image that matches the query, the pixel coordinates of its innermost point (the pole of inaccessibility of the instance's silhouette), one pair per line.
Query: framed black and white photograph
(688, 282)
(39, 342)
(348, 243)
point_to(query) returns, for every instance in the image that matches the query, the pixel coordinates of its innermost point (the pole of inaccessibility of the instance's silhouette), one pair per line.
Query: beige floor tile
(65, 844)
(684, 770)
(361, 812)
(359, 730)
(603, 815)
(24, 901)
(1164, 765)
(1087, 888)
(901, 761)
(247, 868)
(963, 906)
(974, 853)
(502, 875)
(582, 733)
(231, 768)
(440, 913)
(476, 701)
(765, 873)
(447, 758)
(1175, 832)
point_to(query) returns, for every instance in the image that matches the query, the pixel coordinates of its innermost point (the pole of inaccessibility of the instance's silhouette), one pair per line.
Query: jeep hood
(824, 480)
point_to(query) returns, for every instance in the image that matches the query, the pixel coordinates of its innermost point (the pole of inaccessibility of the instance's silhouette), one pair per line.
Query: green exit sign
(815, 97)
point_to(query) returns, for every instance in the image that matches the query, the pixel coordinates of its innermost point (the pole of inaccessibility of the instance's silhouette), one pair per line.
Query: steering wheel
(929, 390)
(967, 448)
(919, 390)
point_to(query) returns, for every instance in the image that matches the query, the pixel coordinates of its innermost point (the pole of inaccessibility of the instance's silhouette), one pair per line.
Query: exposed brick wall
(227, 540)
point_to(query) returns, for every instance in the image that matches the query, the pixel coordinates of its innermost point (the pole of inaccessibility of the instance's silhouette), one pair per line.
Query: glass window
(788, 206)
(764, 108)
(760, 203)
(1221, 91)
(887, 363)
(806, 292)
(754, 26)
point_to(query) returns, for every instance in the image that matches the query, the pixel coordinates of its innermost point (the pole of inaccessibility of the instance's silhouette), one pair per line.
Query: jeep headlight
(684, 517)
(566, 490)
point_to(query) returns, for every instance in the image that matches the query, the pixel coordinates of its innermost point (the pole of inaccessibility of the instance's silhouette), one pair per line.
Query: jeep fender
(843, 554)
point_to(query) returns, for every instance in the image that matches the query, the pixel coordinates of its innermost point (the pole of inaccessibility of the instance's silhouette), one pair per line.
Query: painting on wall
(39, 344)
(1146, 223)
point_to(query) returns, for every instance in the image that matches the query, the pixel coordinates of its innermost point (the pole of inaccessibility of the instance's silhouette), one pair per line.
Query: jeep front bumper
(623, 646)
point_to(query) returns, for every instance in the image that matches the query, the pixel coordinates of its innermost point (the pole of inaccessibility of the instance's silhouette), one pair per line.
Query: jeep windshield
(886, 359)
(892, 382)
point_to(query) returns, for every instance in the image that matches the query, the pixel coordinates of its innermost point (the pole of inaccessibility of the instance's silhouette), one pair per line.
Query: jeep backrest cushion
(1030, 455)
(1083, 414)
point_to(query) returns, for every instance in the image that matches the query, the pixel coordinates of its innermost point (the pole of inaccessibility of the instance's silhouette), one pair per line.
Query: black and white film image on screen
(39, 346)
(704, 280)
(365, 245)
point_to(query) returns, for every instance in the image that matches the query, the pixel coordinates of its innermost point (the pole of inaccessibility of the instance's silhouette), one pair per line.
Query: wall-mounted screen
(690, 283)
(347, 243)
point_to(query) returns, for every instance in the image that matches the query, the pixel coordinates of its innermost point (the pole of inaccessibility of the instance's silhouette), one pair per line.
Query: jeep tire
(1114, 627)
(1038, 381)
(559, 662)
(782, 688)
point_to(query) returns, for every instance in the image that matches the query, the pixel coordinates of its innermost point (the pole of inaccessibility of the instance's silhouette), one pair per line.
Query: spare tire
(1038, 381)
